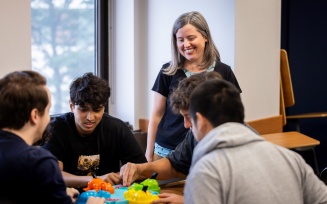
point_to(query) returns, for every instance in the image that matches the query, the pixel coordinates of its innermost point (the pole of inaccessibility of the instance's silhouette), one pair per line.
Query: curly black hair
(89, 89)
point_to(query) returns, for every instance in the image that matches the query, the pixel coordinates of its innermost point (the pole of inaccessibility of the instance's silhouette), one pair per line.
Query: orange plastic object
(99, 184)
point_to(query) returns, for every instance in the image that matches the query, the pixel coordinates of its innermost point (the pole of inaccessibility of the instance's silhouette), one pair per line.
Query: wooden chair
(141, 134)
(143, 123)
(287, 95)
(271, 128)
(273, 124)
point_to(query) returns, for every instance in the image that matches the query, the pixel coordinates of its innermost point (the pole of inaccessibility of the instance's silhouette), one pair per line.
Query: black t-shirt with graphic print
(111, 142)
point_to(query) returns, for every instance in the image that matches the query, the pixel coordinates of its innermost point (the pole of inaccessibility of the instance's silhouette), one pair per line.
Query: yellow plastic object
(139, 197)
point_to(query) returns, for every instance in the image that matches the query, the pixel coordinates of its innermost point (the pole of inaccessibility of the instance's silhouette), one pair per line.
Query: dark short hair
(89, 89)
(179, 99)
(217, 100)
(20, 93)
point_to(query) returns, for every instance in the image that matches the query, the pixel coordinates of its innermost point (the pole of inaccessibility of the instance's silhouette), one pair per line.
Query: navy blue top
(171, 129)
(29, 174)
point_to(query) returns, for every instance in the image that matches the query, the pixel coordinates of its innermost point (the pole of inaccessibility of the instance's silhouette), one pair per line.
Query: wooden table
(291, 140)
(296, 141)
(175, 187)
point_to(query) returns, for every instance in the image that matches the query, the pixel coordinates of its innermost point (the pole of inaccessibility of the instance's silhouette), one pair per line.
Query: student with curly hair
(88, 141)
(178, 162)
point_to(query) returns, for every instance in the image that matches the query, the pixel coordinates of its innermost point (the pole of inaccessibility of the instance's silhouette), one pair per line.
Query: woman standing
(193, 51)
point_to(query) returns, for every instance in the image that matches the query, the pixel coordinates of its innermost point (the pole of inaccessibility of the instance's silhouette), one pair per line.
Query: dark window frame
(101, 41)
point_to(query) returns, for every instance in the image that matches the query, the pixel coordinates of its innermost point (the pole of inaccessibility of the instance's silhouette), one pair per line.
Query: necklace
(191, 73)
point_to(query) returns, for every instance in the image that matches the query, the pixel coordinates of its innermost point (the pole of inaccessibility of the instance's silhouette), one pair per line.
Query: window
(65, 36)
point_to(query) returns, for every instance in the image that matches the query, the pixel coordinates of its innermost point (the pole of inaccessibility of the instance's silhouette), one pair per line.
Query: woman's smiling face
(191, 43)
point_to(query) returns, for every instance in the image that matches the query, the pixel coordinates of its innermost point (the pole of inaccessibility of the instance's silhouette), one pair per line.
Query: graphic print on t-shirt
(88, 164)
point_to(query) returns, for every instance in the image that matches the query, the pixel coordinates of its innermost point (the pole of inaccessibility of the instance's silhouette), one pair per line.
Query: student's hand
(72, 193)
(95, 200)
(113, 178)
(170, 198)
(129, 173)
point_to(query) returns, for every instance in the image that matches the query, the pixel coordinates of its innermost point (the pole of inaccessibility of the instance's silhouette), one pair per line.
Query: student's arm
(131, 172)
(72, 180)
(155, 118)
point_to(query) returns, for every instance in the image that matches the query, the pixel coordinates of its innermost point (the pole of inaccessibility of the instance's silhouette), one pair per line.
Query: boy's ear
(34, 116)
(203, 123)
(200, 122)
(71, 106)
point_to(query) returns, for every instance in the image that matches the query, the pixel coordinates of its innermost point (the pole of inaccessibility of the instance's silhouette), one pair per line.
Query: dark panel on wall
(304, 36)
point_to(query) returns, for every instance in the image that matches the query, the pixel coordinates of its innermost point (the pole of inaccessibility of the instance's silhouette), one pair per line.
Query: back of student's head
(20, 93)
(217, 100)
(179, 99)
(89, 89)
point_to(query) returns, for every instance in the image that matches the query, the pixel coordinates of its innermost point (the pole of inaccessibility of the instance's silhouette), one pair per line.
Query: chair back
(282, 109)
(286, 87)
(144, 123)
(273, 124)
(286, 80)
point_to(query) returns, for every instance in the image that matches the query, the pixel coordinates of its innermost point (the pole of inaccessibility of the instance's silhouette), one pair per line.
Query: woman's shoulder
(221, 65)
(165, 65)
(164, 76)
(224, 69)
(227, 73)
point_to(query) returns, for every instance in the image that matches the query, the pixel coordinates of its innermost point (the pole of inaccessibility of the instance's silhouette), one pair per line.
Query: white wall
(15, 36)
(246, 33)
(257, 55)
(121, 75)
